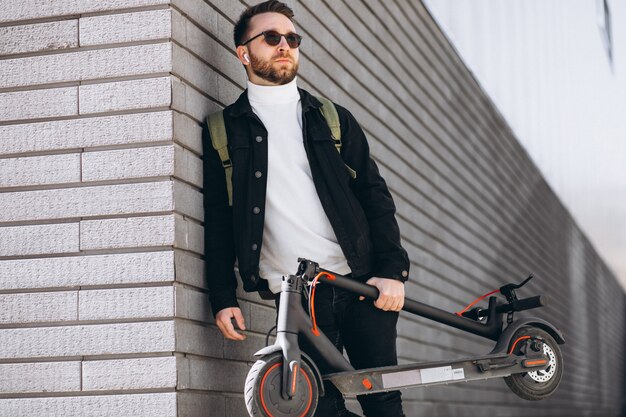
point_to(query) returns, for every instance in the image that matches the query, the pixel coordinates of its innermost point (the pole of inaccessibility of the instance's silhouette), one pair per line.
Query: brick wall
(100, 198)
(103, 307)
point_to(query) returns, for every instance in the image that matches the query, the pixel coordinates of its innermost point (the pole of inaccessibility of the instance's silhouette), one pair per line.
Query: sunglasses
(272, 38)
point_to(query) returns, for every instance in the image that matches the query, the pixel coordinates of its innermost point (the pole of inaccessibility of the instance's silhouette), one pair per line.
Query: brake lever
(508, 290)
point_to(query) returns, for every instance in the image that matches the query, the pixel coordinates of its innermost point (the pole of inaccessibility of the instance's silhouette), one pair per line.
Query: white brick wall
(39, 170)
(77, 202)
(136, 405)
(87, 340)
(52, 102)
(38, 37)
(125, 95)
(38, 307)
(85, 65)
(137, 128)
(15, 10)
(38, 239)
(127, 374)
(73, 271)
(101, 239)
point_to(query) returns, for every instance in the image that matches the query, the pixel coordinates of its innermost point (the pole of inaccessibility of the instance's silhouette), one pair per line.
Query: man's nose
(283, 45)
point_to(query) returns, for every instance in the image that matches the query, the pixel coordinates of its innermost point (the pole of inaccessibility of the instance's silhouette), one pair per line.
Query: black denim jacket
(361, 210)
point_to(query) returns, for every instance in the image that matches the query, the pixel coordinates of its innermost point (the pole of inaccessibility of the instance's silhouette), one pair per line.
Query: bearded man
(292, 196)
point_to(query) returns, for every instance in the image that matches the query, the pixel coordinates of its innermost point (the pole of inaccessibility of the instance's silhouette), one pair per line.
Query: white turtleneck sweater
(295, 222)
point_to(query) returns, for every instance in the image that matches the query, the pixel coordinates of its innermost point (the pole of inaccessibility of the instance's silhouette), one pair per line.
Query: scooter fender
(505, 338)
(268, 350)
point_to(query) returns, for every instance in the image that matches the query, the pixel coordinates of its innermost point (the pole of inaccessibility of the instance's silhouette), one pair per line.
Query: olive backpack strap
(219, 140)
(329, 111)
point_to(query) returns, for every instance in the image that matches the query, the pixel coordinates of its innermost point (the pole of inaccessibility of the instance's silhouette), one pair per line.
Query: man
(293, 196)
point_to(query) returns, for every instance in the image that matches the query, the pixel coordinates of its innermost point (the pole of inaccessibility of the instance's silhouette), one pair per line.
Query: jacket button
(259, 139)
(256, 210)
(254, 246)
(405, 274)
(258, 174)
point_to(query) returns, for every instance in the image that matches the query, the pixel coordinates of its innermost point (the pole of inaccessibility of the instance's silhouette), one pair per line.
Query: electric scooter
(285, 382)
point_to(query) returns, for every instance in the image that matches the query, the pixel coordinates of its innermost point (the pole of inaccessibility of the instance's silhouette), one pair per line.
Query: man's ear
(243, 55)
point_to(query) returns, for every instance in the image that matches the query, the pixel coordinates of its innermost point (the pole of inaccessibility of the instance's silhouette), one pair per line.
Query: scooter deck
(368, 381)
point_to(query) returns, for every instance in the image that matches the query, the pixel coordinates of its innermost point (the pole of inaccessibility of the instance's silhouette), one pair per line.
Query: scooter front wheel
(536, 385)
(263, 390)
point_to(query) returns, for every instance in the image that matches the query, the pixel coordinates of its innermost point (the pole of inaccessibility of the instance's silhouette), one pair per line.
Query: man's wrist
(218, 303)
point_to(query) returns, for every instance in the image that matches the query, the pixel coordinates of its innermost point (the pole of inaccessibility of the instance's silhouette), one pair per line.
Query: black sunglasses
(272, 38)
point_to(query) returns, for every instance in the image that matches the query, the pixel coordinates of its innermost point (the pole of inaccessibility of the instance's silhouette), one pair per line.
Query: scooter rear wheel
(536, 385)
(263, 390)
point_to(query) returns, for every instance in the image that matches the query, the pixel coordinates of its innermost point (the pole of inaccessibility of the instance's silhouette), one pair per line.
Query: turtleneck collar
(273, 94)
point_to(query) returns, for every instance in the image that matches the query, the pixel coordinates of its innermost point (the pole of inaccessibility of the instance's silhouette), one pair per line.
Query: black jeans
(369, 337)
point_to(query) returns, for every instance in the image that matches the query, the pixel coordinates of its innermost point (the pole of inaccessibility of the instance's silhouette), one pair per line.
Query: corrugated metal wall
(100, 208)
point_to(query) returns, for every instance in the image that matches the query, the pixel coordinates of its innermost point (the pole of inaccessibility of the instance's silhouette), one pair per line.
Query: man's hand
(391, 293)
(224, 323)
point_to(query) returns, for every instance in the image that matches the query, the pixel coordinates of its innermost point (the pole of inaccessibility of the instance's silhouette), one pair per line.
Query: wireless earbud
(245, 56)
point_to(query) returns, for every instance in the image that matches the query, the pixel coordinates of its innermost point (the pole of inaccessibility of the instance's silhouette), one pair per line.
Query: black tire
(541, 384)
(263, 386)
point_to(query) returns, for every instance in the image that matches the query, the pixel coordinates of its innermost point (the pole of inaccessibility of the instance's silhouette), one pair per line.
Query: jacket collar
(242, 106)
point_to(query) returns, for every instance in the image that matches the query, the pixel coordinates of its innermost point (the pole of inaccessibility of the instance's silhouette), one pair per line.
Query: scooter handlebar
(524, 304)
(371, 292)
(412, 306)
(516, 305)
(356, 287)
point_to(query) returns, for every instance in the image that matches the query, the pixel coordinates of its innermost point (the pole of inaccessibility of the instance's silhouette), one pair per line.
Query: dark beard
(265, 70)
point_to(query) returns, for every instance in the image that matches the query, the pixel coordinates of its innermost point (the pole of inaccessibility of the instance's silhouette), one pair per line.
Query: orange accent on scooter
(515, 344)
(331, 277)
(460, 313)
(534, 363)
(312, 301)
(306, 378)
(261, 389)
(367, 384)
(327, 275)
(295, 378)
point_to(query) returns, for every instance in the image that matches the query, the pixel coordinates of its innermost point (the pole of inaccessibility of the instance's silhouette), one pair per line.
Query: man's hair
(273, 6)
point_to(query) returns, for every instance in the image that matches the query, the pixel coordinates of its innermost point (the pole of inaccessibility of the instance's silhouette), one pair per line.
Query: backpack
(219, 140)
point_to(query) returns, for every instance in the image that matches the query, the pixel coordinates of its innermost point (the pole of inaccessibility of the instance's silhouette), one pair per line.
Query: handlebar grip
(356, 287)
